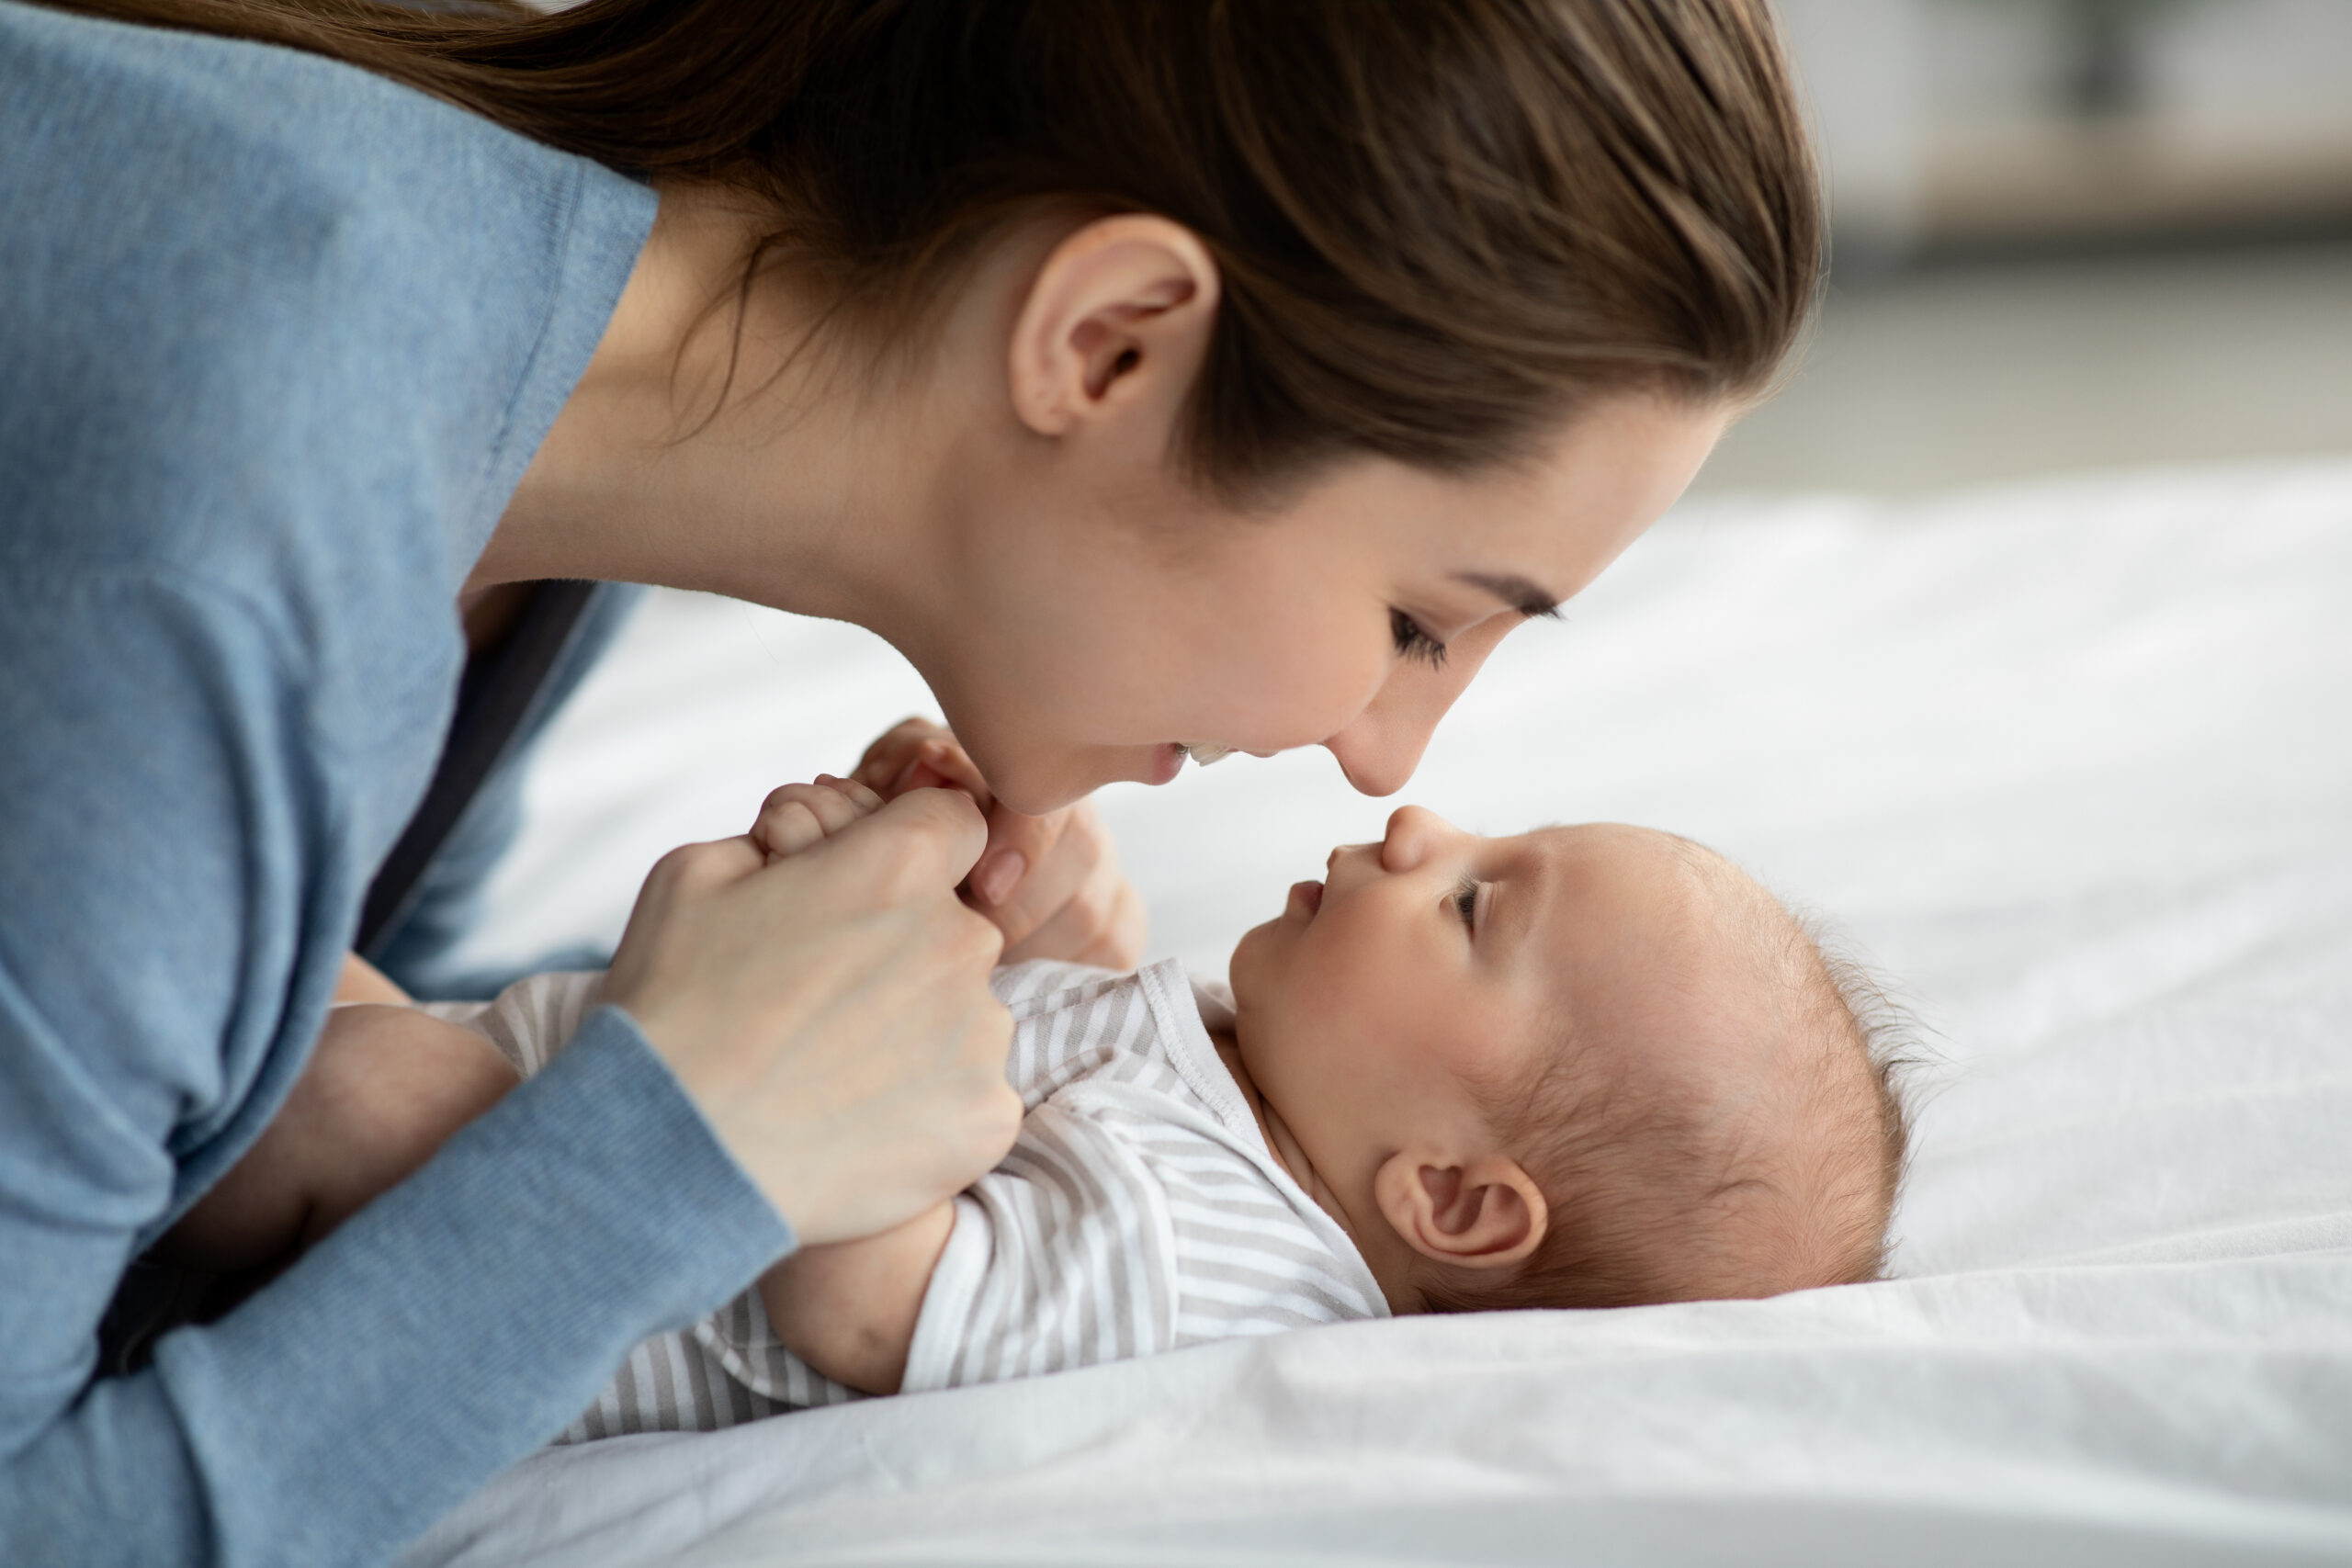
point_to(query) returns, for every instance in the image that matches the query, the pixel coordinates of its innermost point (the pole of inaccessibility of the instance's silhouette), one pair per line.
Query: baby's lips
(1308, 896)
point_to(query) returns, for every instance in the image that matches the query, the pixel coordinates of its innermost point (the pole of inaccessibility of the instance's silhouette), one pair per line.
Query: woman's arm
(849, 1310)
(174, 856)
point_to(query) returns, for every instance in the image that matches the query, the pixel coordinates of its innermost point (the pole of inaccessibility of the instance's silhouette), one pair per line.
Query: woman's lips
(1168, 758)
(1306, 897)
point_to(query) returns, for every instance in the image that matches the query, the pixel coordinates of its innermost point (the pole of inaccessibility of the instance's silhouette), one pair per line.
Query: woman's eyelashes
(1412, 642)
(1465, 901)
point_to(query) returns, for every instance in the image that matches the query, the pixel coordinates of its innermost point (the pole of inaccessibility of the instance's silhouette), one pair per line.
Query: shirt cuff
(462, 1318)
(940, 1327)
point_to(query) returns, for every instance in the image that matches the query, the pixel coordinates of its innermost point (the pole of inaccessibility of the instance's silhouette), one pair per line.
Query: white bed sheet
(2073, 762)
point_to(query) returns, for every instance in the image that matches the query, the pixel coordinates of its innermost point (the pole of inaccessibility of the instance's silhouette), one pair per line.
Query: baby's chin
(1248, 971)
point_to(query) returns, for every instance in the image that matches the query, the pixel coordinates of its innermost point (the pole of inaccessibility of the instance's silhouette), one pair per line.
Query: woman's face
(1112, 621)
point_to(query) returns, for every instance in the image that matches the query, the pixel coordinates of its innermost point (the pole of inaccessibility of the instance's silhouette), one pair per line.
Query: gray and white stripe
(1139, 1211)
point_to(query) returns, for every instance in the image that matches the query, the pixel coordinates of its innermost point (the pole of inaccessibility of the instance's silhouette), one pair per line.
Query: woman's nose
(1413, 833)
(1379, 749)
(1381, 746)
(1378, 768)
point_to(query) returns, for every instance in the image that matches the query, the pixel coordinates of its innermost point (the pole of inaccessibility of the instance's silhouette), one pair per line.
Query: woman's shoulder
(274, 322)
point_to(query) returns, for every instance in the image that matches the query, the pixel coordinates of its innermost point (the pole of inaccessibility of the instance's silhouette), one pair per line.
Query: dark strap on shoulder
(493, 698)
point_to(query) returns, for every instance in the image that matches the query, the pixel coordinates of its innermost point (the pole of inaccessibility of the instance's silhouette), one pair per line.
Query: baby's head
(1585, 1066)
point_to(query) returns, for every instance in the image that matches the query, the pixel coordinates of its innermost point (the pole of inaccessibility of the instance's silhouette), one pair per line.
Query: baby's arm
(849, 1309)
(387, 1085)
(385, 1089)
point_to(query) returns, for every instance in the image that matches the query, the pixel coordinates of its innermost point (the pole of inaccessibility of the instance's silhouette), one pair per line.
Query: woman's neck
(793, 491)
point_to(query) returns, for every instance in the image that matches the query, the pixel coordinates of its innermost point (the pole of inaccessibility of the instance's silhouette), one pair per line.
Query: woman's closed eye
(1412, 642)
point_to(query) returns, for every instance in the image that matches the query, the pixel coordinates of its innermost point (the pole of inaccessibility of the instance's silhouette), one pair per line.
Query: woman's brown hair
(1441, 224)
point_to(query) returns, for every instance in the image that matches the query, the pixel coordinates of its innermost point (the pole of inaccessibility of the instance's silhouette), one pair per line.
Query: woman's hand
(828, 1010)
(796, 815)
(1051, 884)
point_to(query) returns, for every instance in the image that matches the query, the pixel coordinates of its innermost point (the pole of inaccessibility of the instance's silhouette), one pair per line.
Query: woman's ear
(1484, 1212)
(1116, 322)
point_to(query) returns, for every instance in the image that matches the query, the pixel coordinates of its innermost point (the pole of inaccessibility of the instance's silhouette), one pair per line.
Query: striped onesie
(1139, 1211)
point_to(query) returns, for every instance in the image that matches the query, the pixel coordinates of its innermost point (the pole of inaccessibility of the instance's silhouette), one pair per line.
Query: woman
(1152, 374)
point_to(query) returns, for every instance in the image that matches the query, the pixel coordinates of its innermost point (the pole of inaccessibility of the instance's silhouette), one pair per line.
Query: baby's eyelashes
(1466, 902)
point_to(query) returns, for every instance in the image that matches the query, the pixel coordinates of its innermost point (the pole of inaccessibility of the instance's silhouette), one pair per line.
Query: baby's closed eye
(1465, 901)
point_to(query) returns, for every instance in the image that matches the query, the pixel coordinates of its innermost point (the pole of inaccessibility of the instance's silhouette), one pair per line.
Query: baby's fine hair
(1646, 1205)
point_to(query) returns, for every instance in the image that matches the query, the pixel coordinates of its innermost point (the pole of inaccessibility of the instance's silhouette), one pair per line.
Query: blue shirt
(277, 339)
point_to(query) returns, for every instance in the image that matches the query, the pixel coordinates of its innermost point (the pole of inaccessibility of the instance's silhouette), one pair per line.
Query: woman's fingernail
(1001, 876)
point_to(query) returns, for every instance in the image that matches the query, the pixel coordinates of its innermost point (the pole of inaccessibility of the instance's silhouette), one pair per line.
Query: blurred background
(2072, 237)
(2069, 234)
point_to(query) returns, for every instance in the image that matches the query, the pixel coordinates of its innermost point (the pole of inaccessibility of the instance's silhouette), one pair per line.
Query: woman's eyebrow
(1515, 591)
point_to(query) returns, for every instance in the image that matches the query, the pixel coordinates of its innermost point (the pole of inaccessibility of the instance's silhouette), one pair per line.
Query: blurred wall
(2069, 235)
(1958, 123)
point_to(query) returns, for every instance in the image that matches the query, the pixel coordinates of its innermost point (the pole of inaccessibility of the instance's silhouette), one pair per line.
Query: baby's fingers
(942, 763)
(799, 815)
(885, 760)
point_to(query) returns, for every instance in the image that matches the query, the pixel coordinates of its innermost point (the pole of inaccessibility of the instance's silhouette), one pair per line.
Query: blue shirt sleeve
(281, 338)
(161, 817)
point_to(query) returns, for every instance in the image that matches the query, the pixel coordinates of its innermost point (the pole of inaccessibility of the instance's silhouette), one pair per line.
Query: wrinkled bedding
(2072, 763)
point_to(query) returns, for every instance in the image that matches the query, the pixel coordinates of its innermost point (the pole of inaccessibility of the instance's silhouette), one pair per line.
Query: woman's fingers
(1031, 866)
(830, 1012)
(696, 868)
(799, 815)
(932, 837)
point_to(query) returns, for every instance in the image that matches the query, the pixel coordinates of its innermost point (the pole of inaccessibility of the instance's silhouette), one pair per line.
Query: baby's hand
(919, 754)
(1051, 884)
(799, 815)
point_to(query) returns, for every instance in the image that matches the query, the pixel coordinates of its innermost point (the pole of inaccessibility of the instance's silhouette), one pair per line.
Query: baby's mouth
(1308, 896)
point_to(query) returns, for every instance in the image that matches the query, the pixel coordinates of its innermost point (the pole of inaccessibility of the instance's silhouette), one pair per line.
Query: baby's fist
(799, 815)
(919, 754)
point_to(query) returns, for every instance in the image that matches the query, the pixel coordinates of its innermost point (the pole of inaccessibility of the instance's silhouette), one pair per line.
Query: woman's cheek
(1326, 703)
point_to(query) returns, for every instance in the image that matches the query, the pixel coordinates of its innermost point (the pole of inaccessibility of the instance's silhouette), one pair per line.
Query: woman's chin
(1035, 786)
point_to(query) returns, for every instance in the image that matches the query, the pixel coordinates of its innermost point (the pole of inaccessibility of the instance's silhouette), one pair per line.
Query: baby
(1586, 1066)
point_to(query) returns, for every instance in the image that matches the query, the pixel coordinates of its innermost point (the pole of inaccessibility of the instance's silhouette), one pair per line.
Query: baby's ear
(1481, 1212)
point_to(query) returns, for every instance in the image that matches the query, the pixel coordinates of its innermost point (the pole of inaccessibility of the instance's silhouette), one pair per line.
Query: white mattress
(2073, 763)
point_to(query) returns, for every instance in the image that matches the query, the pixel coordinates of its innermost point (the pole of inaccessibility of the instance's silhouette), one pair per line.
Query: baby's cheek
(1346, 1020)
(1496, 1051)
